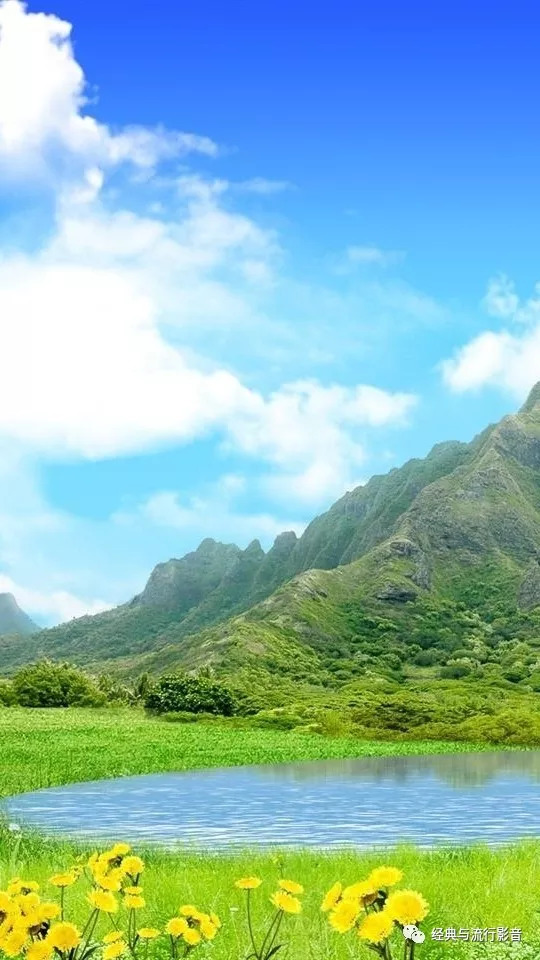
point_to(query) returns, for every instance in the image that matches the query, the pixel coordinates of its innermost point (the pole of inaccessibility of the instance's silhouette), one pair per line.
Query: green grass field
(467, 887)
(41, 748)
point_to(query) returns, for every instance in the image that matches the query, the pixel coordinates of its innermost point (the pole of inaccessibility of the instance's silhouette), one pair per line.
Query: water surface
(369, 802)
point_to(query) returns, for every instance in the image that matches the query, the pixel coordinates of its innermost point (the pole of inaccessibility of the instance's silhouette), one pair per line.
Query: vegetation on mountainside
(431, 581)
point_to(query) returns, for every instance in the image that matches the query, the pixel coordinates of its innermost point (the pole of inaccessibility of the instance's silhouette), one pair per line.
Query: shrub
(175, 693)
(7, 694)
(47, 684)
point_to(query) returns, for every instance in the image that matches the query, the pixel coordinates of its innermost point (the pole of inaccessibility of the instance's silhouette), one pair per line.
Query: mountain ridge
(424, 537)
(13, 620)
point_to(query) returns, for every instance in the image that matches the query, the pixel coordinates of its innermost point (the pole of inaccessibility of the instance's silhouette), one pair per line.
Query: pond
(369, 802)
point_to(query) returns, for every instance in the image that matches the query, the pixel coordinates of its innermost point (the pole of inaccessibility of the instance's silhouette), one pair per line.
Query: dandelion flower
(207, 928)
(287, 903)
(120, 849)
(407, 906)
(134, 903)
(192, 937)
(291, 886)
(383, 877)
(344, 915)
(111, 880)
(18, 886)
(363, 891)
(114, 950)
(39, 950)
(215, 920)
(148, 933)
(113, 936)
(64, 879)
(13, 943)
(376, 928)
(6, 903)
(133, 866)
(332, 898)
(103, 900)
(134, 891)
(190, 912)
(64, 936)
(48, 911)
(177, 926)
(248, 883)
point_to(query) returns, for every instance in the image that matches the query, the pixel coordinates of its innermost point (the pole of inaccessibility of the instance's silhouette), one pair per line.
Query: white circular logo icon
(411, 932)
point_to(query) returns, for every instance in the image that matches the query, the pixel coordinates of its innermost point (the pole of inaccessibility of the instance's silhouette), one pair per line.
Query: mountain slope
(395, 567)
(13, 620)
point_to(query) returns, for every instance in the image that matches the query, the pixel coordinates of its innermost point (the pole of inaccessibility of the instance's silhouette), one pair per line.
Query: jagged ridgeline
(426, 561)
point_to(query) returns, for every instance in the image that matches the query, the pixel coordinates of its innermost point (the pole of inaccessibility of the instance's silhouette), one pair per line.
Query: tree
(47, 684)
(182, 692)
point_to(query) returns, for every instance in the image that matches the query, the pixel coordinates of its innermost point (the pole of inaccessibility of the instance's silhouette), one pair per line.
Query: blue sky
(249, 256)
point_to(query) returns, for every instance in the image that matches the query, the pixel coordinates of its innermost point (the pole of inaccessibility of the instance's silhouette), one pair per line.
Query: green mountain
(12, 619)
(433, 568)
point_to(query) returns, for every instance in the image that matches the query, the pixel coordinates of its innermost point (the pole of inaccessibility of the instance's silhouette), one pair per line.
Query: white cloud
(97, 328)
(58, 606)
(311, 433)
(508, 359)
(262, 186)
(212, 513)
(366, 256)
(501, 299)
(43, 127)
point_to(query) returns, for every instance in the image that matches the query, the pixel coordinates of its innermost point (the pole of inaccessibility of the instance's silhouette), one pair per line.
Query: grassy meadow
(473, 887)
(42, 748)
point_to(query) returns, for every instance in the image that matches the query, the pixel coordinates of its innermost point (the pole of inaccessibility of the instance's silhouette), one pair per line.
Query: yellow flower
(332, 898)
(39, 950)
(48, 911)
(103, 900)
(248, 883)
(64, 936)
(27, 902)
(364, 891)
(383, 877)
(291, 886)
(63, 879)
(148, 933)
(344, 915)
(287, 903)
(133, 866)
(113, 936)
(192, 937)
(13, 943)
(134, 891)
(134, 903)
(407, 906)
(120, 850)
(377, 927)
(18, 886)
(215, 920)
(114, 950)
(111, 880)
(6, 903)
(190, 911)
(207, 928)
(177, 927)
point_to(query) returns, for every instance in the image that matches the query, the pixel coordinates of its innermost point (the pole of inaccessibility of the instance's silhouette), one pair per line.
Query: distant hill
(13, 620)
(435, 564)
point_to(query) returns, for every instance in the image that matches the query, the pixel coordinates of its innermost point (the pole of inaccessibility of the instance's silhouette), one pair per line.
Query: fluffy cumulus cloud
(99, 315)
(507, 358)
(45, 129)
